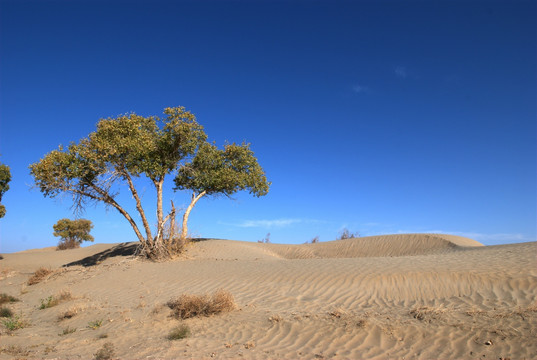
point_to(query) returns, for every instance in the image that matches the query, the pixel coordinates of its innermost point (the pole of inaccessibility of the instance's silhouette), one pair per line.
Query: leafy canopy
(226, 171)
(5, 178)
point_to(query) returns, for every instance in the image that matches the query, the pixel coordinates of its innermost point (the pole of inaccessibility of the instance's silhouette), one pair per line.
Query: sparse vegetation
(39, 275)
(178, 333)
(55, 300)
(14, 350)
(187, 306)
(94, 325)
(67, 331)
(14, 323)
(5, 298)
(72, 233)
(107, 352)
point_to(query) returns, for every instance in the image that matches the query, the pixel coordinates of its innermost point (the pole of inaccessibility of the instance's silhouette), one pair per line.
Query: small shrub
(55, 300)
(39, 275)
(67, 331)
(14, 323)
(107, 352)
(69, 313)
(187, 306)
(5, 298)
(94, 325)
(6, 312)
(179, 333)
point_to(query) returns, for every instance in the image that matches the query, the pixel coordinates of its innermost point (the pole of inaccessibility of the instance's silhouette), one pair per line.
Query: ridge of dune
(371, 246)
(380, 246)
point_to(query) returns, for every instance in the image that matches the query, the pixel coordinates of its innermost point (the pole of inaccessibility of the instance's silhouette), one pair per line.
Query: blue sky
(381, 117)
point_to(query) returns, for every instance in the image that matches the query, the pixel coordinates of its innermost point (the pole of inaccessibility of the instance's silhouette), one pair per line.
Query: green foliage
(94, 325)
(14, 323)
(72, 232)
(5, 178)
(226, 171)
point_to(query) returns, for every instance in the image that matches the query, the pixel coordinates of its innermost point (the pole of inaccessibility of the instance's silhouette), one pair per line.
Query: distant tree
(72, 232)
(5, 178)
(130, 146)
(346, 234)
(215, 172)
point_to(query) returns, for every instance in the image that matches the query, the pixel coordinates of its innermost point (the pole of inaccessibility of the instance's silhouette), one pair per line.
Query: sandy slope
(411, 296)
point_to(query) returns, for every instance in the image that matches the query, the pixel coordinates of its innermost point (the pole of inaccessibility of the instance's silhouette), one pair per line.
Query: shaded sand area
(413, 296)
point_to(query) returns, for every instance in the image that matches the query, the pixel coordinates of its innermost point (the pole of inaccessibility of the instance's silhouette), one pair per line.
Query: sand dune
(416, 296)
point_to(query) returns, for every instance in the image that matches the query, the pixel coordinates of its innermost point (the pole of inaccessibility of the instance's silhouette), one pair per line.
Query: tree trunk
(193, 202)
(160, 214)
(140, 209)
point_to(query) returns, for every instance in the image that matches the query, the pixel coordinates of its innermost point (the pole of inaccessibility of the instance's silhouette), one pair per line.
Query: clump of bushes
(188, 306)
(39, 275)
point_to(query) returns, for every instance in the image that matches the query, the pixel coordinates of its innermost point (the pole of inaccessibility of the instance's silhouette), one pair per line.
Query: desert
(405, 296)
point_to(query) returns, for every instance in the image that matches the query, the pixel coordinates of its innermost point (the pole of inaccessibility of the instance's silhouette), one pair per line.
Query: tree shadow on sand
(123, 249)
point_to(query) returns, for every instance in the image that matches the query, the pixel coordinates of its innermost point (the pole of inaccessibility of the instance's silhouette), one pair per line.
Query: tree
(72, 232)
(119, 151)
(5, 178)
(216, 172)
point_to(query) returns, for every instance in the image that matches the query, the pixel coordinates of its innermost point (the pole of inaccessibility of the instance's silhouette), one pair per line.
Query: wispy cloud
(360, 89)
(401, 72)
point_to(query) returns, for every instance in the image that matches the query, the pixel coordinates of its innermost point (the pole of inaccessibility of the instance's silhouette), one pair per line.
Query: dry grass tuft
(69, 313)
(39, 275)
(188, 306)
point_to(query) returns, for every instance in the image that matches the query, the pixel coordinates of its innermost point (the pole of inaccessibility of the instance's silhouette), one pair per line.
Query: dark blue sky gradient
(378, 116)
